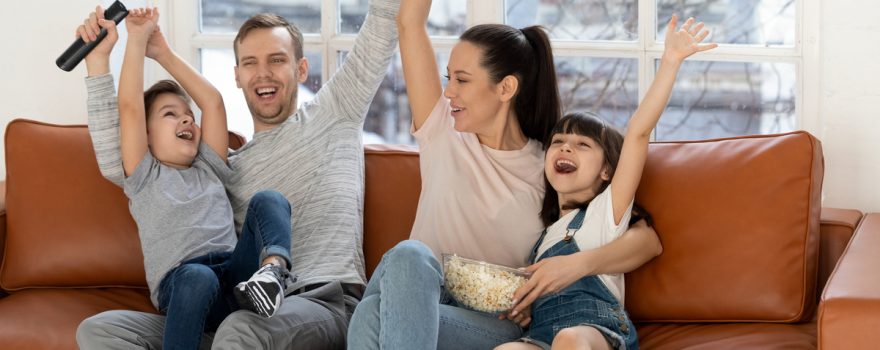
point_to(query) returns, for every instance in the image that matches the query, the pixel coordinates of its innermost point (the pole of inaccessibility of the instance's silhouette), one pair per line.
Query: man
(313, 155)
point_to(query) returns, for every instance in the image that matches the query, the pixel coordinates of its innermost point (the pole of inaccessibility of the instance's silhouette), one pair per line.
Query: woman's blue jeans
(406, 307)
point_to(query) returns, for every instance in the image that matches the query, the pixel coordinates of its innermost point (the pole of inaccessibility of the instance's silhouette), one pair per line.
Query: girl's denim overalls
(587, 302)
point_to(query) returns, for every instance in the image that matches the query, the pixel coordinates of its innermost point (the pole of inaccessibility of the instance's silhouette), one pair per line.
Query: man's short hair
(270, 20)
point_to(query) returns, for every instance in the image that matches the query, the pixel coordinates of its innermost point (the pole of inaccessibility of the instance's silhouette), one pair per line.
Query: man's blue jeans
(197, 295)
(406, 307)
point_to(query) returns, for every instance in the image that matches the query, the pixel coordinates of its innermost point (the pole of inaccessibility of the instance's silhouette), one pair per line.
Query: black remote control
(79, 49)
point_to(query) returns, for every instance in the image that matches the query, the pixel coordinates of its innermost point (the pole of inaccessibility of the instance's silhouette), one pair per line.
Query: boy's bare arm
(203, 93)
(132, 113)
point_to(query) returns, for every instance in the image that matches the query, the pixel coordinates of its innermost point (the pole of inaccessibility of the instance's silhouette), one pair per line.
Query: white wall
(35, 34)
(33, 87)
(850, 103)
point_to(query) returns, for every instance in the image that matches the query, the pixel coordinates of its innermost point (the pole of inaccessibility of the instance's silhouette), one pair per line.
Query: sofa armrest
(2, 227)
(849, 312)
(836, 228)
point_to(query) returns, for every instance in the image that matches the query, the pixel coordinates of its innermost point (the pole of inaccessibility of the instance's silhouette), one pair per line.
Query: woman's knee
(367, 308)
(410, 252)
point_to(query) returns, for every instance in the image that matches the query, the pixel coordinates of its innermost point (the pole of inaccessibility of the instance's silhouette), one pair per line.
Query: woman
(482, 184)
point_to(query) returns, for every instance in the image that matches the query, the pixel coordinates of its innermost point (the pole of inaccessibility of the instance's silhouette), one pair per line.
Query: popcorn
(481, 286)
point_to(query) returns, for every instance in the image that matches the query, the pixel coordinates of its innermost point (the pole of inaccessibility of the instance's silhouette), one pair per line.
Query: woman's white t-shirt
(477, 202)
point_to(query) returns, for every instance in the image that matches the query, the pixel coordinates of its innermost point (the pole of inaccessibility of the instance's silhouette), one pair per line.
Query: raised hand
(686, 40)
(141, 22)
(157, 46)
(90, 29)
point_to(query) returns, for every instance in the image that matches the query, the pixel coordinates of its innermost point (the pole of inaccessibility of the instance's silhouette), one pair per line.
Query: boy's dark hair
(526, 54)
(607, 138)
(269, 20)
(161, 87)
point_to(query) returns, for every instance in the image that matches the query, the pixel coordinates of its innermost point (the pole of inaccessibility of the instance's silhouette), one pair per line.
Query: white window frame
(181, 26)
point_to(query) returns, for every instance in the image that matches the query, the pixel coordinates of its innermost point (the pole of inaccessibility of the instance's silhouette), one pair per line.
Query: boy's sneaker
(264, 291)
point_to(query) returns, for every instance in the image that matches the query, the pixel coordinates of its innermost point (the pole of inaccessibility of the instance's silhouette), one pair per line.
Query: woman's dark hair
(607, 138)
(525, 54)
(161, 87)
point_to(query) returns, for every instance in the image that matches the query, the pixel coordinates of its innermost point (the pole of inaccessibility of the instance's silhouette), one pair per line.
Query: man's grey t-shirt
(180, 213)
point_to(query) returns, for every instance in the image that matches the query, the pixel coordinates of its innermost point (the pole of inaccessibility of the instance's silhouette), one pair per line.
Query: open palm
(142, 21)
(686, 40)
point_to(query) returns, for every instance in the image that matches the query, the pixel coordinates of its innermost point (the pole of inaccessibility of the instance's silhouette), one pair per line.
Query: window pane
(226, 16)
(389, 118)
(761, 22)
(722, 99)
(217, 67)
(447, 17)
(608, 87)
(577, 19)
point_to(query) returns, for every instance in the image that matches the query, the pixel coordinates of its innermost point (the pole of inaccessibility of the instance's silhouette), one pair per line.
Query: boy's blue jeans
(197, 295)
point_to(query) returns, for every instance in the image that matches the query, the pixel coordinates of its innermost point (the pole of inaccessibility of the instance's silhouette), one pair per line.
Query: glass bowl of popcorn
(481, 286)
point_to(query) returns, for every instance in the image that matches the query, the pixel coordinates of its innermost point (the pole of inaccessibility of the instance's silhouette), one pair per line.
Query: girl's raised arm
(680, 44)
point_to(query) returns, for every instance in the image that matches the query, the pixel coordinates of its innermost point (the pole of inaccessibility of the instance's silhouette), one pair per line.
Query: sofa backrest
(393, 185)
(66, 225)
(739, 222)
(738, 218)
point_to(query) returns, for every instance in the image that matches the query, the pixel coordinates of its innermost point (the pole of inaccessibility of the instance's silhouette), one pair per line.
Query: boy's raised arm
(103, 113)
(205, 95)
(132, 113)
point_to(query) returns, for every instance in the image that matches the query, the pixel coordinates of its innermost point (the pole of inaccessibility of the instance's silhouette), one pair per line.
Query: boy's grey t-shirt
(180, 213)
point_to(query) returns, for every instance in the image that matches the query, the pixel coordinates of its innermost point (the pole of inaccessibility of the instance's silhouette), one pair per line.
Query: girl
(482, 182)
(594, 173)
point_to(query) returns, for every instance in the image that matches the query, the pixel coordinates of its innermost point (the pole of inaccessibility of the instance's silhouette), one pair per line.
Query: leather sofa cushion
(671, 336)
(739, 223)
(66, 225)
(48, 318)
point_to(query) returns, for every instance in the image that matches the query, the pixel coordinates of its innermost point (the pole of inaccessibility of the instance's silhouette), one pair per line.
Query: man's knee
(88, 331)
(103, 330)
(239, 328)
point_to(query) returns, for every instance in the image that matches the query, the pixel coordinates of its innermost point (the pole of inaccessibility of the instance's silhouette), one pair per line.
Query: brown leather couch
(747, 248)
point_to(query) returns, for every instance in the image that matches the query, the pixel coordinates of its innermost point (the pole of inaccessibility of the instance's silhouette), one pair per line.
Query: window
(606, 54)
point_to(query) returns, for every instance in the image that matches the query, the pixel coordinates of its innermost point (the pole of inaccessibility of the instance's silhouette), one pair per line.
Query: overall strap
(573, 226)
